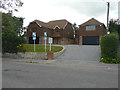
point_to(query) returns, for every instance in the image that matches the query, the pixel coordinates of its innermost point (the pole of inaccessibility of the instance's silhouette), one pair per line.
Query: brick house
(60, 30)
(90, 32)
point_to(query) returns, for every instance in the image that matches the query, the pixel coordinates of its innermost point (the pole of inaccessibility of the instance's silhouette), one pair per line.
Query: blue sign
(45, 35)
(34, 35)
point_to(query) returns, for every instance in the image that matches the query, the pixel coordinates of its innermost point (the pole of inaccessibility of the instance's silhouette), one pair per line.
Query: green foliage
(10, 38)
(12, 23)
(74, 26)
(21, 48)
(110, 60)
(113, 26)
(109, 45)
(41, 48)
(18, 25)
(10, 41)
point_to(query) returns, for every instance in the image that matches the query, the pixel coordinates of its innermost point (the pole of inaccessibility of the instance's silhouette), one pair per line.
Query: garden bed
(39, 54)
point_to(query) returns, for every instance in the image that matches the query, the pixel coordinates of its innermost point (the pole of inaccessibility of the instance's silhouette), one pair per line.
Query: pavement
(27, 60)
(78, 67)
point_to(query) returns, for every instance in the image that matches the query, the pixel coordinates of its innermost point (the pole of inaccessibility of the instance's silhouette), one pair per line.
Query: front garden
(38, 48)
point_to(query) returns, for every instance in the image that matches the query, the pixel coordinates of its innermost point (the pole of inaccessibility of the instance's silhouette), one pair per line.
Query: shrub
(109, 45)
(10, 41)
(109, 60)
(21, 48)
(11, 28)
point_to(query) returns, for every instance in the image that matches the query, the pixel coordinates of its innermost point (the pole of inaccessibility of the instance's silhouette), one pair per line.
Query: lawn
(41, 48)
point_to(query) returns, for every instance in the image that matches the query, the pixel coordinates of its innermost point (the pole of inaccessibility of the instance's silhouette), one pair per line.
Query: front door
(55, 40)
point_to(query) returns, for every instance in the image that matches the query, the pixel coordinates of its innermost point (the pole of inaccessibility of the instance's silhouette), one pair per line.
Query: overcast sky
(77, 11)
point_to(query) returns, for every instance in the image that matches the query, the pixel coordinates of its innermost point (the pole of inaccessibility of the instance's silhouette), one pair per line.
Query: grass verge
(41, 48)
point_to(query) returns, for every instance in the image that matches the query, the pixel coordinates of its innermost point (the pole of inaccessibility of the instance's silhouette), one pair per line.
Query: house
(90, 32)
(60, 30)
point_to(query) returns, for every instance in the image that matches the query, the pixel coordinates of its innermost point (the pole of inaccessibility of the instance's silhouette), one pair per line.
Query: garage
(31, 41)
(90, 40)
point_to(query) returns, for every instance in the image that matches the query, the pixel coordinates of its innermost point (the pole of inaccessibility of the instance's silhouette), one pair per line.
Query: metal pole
(34, 45)
(50, 47)
(108, 13)
(45, 46)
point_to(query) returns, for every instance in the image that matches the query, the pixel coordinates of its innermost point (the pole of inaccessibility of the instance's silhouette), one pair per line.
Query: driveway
(80, 53)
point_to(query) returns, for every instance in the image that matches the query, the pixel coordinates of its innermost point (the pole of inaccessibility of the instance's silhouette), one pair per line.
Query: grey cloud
(90, 9)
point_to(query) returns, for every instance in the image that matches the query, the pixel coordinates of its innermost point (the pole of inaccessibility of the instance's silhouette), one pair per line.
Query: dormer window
(90, 27)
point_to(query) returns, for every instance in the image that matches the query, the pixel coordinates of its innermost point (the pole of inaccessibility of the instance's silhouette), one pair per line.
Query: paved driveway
(81, 53)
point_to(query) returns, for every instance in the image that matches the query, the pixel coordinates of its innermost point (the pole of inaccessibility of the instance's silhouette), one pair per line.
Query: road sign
(45, 35)
(50, 40)
(45, 38)
(34, 35)
(34, 38)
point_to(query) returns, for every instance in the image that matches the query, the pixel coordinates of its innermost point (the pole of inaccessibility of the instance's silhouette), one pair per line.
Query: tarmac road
(80, 75)
(78, 67)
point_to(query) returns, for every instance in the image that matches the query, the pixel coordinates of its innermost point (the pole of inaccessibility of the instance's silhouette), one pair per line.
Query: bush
(10, 41)
(110, 60)
(21, 48)
(11, 28)
(119, 38)
(109, 45)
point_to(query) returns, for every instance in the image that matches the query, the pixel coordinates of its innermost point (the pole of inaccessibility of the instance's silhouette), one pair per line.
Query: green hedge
(110, 60)
(109, 46)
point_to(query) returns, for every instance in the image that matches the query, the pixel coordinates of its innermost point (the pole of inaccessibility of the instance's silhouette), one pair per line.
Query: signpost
(45, 38)
(34, 38)
(50, 42)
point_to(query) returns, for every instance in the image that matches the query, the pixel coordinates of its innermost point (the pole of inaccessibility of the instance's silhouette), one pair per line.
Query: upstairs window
(92, 27)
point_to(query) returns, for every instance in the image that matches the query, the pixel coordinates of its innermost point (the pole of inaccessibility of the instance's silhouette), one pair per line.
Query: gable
(56, 27)
(40, 23)
(91, 22)
(61, 24)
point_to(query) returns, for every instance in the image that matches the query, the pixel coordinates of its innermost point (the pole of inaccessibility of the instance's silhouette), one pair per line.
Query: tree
(75, 26)
(10, 5)
(11, 26)
(25, 34)
(113, 26)
(10, 38)
(14, 23)
(18, 25)
(10, 41)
